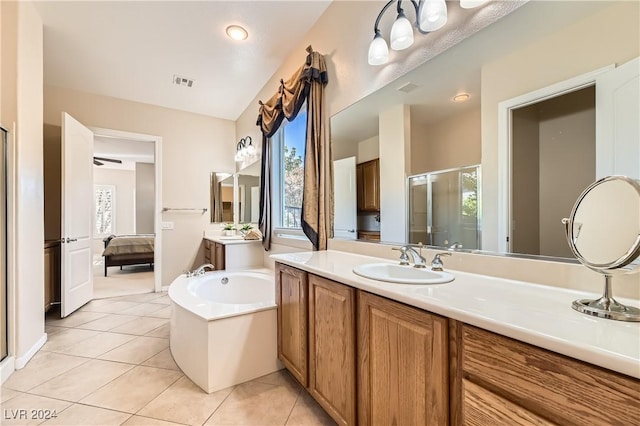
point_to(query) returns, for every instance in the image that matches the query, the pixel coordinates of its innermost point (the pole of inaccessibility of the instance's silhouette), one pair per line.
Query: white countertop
(236, 239)
(536, 314)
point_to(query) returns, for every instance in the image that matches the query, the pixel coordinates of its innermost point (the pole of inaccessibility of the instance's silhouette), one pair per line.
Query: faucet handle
(436, 263)
(404, 258)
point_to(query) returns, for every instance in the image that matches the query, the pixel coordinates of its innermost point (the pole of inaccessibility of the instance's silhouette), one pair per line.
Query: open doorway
(70, 212)
(123, 216)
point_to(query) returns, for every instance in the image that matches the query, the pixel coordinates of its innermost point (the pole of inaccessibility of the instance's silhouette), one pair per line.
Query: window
(290, 139)
(104, 201)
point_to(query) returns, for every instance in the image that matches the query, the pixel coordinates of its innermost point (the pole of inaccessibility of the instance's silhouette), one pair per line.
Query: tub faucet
(199, 271)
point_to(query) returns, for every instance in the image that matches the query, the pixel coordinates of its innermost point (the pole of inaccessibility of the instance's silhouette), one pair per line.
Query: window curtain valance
(305, 85)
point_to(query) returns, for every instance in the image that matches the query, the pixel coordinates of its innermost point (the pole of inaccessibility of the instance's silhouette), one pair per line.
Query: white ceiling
(132, 49)
(128, 151)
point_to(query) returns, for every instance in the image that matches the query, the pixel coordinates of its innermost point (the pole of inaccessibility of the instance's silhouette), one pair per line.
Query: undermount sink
(391, 273)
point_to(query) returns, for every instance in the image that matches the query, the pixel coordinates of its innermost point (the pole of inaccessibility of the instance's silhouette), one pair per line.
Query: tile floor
(109, 364)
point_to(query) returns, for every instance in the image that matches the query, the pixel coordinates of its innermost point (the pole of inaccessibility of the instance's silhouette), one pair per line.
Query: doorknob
(70, 240)
(351, 230)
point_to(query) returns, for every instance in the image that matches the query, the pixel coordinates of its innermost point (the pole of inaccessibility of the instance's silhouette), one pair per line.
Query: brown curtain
(306, 84)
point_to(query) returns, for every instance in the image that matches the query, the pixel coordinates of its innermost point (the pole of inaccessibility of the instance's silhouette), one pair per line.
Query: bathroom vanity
(232, 253)
(478, 350)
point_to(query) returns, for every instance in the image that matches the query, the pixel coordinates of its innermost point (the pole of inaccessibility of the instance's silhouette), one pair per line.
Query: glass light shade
(250, 151)
(378, 51)
(470, 4)
(401, 33)
(433, 15)
(238, 156)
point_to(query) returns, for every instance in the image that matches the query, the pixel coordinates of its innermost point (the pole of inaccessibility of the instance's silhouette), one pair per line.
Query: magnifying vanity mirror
(603, 233)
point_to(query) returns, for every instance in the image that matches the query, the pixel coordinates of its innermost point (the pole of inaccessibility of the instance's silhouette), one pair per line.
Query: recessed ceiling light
(236, 32)
(461, 97)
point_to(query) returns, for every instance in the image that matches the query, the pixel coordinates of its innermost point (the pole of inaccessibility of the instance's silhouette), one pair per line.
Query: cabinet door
(332, 372)
(49, 274)
(402, 364)
(219, 257)
(371, 185)
(207, 252)
(291, 297)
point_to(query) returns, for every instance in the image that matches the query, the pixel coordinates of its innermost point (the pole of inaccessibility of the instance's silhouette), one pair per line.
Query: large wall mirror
(235, 198)
(535, 80)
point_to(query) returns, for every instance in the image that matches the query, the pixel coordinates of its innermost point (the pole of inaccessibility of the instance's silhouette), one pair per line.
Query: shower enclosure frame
(427, 176)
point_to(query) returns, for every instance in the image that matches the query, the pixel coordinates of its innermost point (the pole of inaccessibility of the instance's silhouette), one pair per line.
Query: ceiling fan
(98, 161)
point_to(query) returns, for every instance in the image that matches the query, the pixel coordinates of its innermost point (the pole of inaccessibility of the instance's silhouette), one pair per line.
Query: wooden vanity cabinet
(500, 381)
(368, 186)
(214, 253)
(332, 347)
(291, 298)
(403, 375)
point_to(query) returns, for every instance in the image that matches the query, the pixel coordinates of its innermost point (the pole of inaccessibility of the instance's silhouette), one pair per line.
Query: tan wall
(448, 144)
(21, 112)
(525, 231)
(368, 150)
(541, 63)
(567, 140)
(193, 145)
(145, 198)
(343, 34)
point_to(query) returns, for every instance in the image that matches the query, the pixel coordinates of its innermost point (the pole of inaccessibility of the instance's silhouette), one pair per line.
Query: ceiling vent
(183, 81)
(408, 87)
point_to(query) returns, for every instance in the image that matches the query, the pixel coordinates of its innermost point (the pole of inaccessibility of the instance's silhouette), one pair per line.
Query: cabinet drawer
(482, 407)
(558, 388)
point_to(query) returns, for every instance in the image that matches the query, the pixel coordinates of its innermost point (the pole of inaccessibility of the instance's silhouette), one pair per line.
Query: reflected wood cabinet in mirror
(402, 364)
(368, 186)
(291, 298)
(501, 381)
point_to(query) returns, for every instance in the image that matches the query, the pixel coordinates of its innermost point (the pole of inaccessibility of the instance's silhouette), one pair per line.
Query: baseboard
(24, 359)
(7, 367)
(165, 288)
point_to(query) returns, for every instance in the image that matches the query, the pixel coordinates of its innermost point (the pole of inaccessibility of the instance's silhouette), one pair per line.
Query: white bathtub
(224, 334)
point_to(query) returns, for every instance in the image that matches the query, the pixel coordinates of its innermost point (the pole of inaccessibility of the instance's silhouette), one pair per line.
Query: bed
(128, 250)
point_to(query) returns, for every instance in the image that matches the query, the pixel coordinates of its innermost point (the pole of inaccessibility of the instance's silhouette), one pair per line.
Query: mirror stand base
(607, 306)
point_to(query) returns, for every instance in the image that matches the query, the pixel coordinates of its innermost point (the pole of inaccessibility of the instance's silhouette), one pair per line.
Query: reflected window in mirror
(289, 144)
(248, 194)
(443, 208)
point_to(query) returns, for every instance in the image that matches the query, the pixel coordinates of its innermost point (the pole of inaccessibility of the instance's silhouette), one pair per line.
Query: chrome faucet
(436, 263)
(418, 260)
(199, 271)
(455, 246)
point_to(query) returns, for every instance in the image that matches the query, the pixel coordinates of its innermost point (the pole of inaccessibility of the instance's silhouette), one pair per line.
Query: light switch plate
(167, 225)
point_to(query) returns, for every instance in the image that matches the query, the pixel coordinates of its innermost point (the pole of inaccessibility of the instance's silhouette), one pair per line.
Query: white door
(617, 123)
(76, 214)
(345, 221)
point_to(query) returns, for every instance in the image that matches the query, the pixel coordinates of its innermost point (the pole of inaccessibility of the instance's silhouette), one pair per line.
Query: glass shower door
(444, 208)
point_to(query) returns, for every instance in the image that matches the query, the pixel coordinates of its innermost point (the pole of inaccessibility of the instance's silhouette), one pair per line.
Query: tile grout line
(221, 403)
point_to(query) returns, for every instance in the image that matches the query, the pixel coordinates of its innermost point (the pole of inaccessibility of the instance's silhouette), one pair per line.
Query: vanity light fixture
(431, 15)
(236, 32)
(245, 149)
(461, 97)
